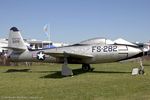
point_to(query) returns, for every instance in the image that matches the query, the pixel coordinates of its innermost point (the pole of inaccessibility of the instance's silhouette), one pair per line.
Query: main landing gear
(86, 67)
(66, 71)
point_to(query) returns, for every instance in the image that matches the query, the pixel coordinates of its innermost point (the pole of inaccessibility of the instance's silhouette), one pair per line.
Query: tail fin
(15, 40)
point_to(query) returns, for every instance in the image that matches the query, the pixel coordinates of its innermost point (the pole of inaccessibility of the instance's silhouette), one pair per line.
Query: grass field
(111, 81)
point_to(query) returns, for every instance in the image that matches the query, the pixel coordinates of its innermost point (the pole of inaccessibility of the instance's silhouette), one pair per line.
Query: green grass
(111, 81)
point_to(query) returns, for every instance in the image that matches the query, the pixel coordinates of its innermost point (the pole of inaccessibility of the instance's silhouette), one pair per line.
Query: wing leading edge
(66, 54)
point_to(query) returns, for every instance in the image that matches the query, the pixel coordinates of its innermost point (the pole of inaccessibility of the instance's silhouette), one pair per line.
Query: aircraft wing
(65, 54)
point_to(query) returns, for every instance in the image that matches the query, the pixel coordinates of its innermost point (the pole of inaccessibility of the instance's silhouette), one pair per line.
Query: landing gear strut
(86, 67)
(141, 69)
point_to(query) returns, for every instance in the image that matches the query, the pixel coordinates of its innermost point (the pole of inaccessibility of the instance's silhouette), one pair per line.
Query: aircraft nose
(14, 29)
(134, 52)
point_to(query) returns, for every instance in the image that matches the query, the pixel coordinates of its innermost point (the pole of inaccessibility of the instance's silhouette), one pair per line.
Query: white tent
(122, 41)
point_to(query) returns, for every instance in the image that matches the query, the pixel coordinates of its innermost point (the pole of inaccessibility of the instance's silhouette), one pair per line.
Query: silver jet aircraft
(92, 51)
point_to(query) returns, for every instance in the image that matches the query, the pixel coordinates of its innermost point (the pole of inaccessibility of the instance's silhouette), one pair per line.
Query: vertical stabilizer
(15, 40)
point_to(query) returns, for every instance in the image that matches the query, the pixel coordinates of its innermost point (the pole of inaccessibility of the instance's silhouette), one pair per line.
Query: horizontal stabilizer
(15, 49)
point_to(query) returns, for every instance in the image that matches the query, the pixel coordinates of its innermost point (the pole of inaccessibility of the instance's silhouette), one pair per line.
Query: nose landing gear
(141, 69)
(138, 71)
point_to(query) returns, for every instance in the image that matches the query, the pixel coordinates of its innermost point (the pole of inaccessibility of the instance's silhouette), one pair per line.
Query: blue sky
(76, 20)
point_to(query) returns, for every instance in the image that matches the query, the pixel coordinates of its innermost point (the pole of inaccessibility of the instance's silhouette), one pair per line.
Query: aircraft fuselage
(99, 53)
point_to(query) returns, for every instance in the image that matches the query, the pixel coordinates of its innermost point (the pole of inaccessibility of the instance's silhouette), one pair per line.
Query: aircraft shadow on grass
(146, 64)
(17, 70)
(57, 74)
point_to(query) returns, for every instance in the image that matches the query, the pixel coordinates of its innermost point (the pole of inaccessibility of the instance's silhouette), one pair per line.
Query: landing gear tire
(86, 67)
(141, 72)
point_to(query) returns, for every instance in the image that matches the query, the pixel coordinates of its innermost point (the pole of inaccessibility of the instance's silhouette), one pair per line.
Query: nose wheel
(141, 72)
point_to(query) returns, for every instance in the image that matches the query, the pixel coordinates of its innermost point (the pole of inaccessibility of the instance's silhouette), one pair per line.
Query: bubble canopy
(97, 41)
